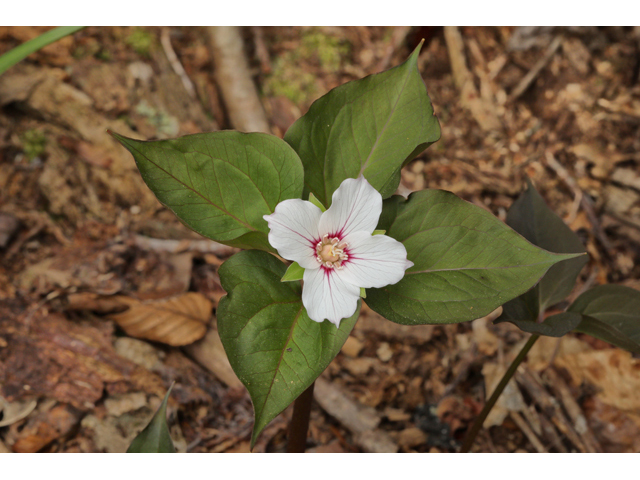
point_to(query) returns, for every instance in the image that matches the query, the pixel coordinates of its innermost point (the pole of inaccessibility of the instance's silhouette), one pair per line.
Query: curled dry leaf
(176, 321)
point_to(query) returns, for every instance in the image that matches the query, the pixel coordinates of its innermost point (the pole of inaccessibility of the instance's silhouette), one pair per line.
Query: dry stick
(234, 78)
(477, 424)
(297, 442)
(529, 433)
(551, 434)
(165, 40)
(528, 79)
(585, 202)
(561, 390)
(549, 406)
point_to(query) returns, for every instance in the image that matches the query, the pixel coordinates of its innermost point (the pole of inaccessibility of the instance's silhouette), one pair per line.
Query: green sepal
(379, 232)
(293, 273)
(363, 292)
(316, 202)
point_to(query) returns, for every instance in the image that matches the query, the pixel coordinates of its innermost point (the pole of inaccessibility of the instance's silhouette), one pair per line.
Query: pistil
(330, 252)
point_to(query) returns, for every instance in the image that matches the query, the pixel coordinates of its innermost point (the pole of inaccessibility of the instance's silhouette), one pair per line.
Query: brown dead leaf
(45, 428)
(614, 372)
(176, 321)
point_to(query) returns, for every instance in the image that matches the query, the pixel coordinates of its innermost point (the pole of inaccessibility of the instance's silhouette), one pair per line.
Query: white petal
(326, 295)
(374, 261)
(356, 206)
(294, 231)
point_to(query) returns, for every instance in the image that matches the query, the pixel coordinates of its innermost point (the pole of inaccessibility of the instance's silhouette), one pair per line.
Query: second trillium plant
(431, 258)
(337, 248)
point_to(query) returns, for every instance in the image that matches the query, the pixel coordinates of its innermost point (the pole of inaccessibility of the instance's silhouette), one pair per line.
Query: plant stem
(299, 425)
(477, 425)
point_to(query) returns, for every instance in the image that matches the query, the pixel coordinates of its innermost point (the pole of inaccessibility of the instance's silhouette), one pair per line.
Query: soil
(82, 239)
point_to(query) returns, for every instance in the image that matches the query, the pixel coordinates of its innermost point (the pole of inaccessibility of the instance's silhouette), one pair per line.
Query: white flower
(337, 249)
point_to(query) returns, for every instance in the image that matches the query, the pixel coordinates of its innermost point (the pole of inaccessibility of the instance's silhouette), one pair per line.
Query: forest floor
(85, 247)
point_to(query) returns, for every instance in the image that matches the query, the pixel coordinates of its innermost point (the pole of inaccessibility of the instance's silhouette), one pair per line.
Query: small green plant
(33, 143)
(290, 80)
(141, 41)
(608, 312)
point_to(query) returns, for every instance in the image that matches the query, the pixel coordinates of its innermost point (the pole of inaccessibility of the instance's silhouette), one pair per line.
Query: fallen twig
(528, 79)
(560, 388)
(528, 432)
(174, 61)
(549, 406)
(585, 201)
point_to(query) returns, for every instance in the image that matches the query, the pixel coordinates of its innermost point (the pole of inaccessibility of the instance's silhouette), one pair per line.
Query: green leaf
(21, 52)
(220, 184)
(610, 313)
(466, 261)
(316, 202)
(371, 127)
(534, 220)
(276, 350)
(553, 326)
(155, 438)
(293, 273)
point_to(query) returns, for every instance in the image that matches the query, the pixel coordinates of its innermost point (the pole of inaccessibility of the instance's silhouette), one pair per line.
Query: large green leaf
(372, 126)
(276, 350)
(220, 184)
(466, 261)
(534, 220)
(155, 437)
(611, 313)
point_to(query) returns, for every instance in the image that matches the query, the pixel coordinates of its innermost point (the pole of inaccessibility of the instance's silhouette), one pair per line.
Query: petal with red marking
(374, 261)
(356, 206)
(326, 295)
(294, 231)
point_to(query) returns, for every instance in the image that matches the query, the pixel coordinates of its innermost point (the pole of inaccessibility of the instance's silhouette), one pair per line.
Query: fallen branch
(232, 75)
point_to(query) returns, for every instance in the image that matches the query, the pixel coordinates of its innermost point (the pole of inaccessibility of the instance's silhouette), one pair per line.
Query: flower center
(330, 252)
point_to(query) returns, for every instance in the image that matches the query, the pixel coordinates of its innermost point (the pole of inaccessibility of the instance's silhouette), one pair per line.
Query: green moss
(289, 77)
(140, 41)
(33, 143)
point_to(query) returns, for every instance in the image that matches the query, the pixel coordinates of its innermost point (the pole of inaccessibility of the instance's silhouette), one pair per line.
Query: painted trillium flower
(337, 249)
